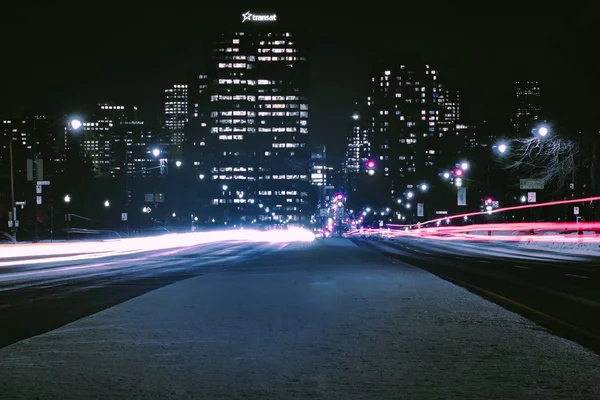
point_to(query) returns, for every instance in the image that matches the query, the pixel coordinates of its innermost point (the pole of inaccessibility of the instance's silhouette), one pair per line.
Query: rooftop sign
(248, 16)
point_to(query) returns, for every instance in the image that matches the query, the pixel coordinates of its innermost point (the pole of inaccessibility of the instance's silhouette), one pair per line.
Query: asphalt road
(556, 290)
(326, 320)
(37, 298)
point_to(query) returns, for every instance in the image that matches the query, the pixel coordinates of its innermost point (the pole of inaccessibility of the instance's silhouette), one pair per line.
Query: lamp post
(67, 200)
(12, 188)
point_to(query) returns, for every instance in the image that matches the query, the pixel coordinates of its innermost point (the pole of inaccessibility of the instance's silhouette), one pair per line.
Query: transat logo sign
(248, 16)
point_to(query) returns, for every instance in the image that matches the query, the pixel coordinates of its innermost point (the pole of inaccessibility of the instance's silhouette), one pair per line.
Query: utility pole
(35, 171)
(12, 189)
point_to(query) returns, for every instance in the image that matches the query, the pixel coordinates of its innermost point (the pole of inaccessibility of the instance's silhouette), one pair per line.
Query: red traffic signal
(370, 164)
(339, 196)
(489, 200)
(458, 172)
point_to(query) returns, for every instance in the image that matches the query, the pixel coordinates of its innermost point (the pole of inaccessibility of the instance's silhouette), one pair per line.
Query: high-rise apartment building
(358, 146)
(405, 115)
(254, 141)
(176, 114)
(529, 106)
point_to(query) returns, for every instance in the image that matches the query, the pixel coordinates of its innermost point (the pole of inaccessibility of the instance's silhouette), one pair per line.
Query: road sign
(576, 210)
(531, 197)
(531, 184)
(420, 209)
(38, 189)
(20, 203)
(38, 200)
(43, 183)
(461, 196)
(123, 216)
(495, 204)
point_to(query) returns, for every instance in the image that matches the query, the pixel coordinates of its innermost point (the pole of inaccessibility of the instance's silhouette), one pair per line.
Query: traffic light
(458, 172)
(371, 164)
(338, 196)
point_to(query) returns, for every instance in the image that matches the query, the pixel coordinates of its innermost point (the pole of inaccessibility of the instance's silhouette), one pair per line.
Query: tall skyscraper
(405, 116)
(529, 106)
(358, 146)
(176, 114)
(256, 132)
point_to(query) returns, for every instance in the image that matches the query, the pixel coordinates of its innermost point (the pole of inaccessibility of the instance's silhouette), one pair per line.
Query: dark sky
(64, 55)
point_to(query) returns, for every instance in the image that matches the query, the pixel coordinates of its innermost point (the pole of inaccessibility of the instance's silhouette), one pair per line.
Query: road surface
(327, 320)
(558, 290)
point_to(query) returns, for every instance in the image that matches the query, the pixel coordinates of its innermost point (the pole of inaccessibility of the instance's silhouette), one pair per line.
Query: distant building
(176, 114)
(410, 117)
(529, 106)
(248, 128)
(358, 146)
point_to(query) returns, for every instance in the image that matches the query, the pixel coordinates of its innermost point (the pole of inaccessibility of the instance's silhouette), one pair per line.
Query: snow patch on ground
(592, 249)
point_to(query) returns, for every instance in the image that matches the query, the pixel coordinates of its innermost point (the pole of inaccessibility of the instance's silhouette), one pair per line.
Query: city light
(75, 124)
(458, 172)
(355, 117)
(502, 148)
(370, 164)
(446, 175)
(424, 187)
(156, 152)
(178, 163)
(224, 187)
(107, 204)
(543, 131)
(67, 199)
(464, 166)
(371, 172)
(201, 176)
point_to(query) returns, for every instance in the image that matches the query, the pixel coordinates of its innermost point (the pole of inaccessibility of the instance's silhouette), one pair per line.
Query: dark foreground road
(37, 298)
(557, 290)
(328, 320)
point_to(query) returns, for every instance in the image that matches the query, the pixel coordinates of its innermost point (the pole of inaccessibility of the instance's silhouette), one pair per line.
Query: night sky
(65, 56)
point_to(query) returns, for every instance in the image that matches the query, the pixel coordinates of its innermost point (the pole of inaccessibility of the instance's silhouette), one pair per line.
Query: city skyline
(481, 68)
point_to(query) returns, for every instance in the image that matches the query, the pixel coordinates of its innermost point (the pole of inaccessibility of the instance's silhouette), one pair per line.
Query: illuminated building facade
(529, 107)
(256, 131)
(176, 114)
(409, 129)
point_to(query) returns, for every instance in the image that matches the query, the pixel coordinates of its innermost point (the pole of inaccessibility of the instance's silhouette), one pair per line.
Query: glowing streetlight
(201, 176)
(543, 131)
(174, 215)
(502, 148)
(523, 199)
(409, 195)
(75, 124)
(178, 163)
(446, 175)
(224, 187)
(371, 172)
(355, 117)
(464, 166)
(156, 152)
(67, 199)
(107, 204)
(424, 187)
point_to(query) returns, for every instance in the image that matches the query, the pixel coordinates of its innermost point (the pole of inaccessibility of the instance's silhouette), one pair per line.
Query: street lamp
(424, 187)
(67, 200)
(201, 176)
(502, 148)
(75, 124)
(543, 131)
(156, 152)
(178, 163)
(107, 204)
(464, 166)
(224, 187)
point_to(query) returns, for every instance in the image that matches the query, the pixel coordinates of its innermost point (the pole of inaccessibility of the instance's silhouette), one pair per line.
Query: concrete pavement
(323, 321)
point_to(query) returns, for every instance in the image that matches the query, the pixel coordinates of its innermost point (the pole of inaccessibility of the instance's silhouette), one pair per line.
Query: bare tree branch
(552, 160)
